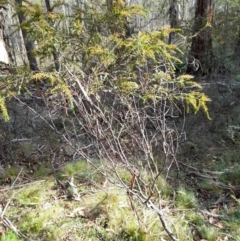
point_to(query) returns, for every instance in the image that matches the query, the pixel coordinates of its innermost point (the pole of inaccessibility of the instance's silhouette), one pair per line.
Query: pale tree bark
(27, 41)
(174, 16)
(4, 55)
(201, 48)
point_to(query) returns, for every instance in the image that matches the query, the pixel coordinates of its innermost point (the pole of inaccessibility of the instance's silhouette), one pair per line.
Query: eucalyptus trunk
(201, 48)
(174, 16)
(29, 45)
(54, 51)
(4, 53)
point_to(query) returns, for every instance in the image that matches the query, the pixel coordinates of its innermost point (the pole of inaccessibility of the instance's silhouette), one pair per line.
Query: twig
(224, 217)
(134, 209)
(6, 206)
(16, 178)
(162, 219)
(22, 139)
(6, 221)
(21, 185)
(204, 171)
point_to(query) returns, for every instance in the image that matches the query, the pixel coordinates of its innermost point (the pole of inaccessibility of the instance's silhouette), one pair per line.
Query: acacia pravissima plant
(120, 90)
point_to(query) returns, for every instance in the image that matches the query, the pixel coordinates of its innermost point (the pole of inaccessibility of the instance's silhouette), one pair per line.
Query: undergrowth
(42, 210)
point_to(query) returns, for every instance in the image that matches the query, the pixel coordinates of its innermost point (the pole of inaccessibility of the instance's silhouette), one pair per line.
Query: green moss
(42, 171)
(72, 169)
(32, 224)
(79, 169)
(9, 236)
(133, 234)
(32, 195)
(44, 221)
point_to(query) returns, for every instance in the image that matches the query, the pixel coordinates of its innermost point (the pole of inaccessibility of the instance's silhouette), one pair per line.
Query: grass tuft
(208, 233)
(186, 199)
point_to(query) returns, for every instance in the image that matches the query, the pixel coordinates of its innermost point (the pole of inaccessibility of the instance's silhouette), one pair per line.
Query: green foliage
(186, 80)
(49, 77)
(104, 49)
(197, 100)
(3, 109)
(128, 87)
(117, 14)
(39, 26)
(8, 87)
(58, 85)
(136, 70)
(147, 47)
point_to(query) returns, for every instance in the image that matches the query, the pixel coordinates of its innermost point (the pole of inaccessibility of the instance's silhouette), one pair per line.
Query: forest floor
(201, 201)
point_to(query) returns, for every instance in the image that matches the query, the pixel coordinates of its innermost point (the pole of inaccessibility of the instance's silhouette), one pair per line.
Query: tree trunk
(201, 49)
(174, 12)
(4, 54)
(54, 51)
(237, 49)
(28, 42)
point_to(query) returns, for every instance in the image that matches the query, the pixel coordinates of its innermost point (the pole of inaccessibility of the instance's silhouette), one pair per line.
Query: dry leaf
(77, 212)
(90, 223)
(164, 203)
(211, 220)
(218, 225)
(214, 211)
(105, 183)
